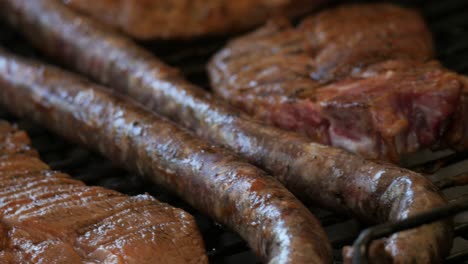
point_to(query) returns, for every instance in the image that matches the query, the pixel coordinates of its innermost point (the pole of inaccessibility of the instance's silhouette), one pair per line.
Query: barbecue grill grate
(449, 23)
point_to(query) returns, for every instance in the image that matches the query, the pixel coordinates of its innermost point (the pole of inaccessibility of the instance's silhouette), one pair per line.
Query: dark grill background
(449, 23)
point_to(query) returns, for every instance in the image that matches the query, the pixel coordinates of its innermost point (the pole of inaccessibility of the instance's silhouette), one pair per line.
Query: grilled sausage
(323, 175)
(277, 226)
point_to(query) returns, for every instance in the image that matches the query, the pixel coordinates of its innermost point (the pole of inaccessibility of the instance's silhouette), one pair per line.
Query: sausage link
(322, 175)
(241, 196)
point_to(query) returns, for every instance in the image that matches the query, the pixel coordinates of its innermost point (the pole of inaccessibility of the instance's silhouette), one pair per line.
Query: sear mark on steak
(358, 77)
(48, 217)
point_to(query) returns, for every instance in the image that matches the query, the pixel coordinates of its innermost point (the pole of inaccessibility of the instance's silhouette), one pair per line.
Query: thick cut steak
(48, 217)
(357, 77)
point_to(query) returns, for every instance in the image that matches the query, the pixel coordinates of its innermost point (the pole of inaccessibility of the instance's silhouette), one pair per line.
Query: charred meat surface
(323, 175)
(149, 19)
(349, 37)
(378, 114)
(48, 217)
(277, 226)
(358, 77)
(458, 131)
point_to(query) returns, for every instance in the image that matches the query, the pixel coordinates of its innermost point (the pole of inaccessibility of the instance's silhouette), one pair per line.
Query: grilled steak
(319, 174)
(48, 217)
(148, 19)
(277, 226)
(458, 131)
(347, 38)
(355, 77)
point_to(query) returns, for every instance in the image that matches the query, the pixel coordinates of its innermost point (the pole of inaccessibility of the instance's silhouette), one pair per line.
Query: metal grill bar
(365, 238)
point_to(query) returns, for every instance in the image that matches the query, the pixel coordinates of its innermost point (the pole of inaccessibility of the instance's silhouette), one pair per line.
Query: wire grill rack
(449, 23)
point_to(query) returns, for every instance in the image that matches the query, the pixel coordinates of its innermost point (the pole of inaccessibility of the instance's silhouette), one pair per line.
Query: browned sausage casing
(323, 175)
(277, 226)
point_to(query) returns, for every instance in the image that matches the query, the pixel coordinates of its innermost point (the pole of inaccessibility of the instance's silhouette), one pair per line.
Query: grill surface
(449, 23)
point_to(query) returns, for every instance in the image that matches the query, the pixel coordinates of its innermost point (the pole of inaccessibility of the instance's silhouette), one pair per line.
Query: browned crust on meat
(149, 19)
(277, 226)
(48, 217)
(279, 62)
(323, 175)
(370, 60)
(350, 37)
(457, 137)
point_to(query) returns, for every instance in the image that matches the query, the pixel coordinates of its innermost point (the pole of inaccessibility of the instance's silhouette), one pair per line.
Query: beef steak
(48, 217)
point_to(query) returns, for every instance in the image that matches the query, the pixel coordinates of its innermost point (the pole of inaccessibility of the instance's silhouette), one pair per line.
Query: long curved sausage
(276, 225)
(322, 175)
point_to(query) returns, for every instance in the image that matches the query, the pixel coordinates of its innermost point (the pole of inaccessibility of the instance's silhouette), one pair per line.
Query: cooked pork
(48, 217)
(147, 19)
(356, 77)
